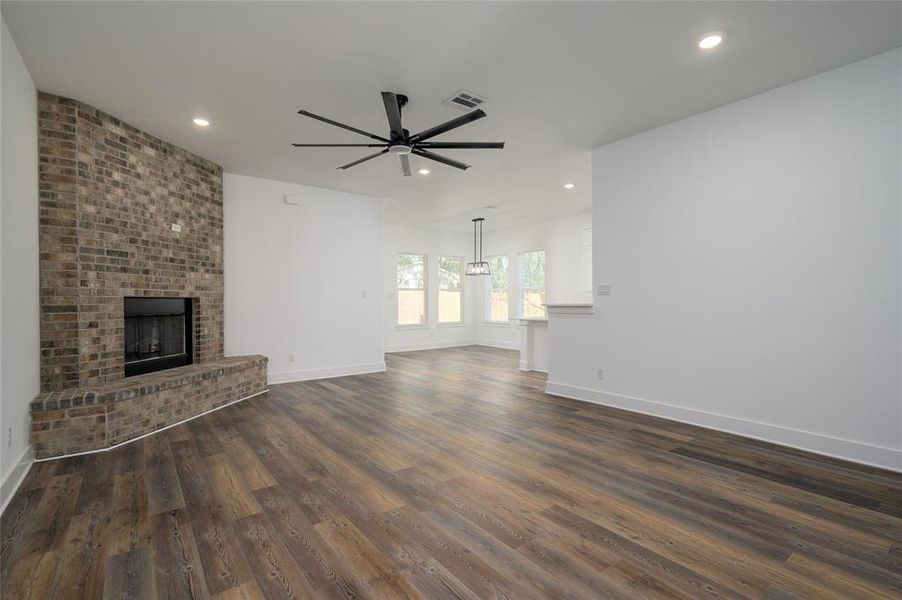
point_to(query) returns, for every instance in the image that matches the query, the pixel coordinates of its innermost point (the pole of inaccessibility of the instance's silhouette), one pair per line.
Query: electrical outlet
(9, 437)
(363, 293)
(599, 374)
(176, 227)
(290, 357)
(604, 290)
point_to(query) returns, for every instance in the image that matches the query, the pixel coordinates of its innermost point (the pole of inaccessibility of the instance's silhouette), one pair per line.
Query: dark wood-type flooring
(452, 475)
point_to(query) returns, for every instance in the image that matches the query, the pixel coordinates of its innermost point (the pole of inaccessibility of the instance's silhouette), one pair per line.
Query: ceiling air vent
(466, 101)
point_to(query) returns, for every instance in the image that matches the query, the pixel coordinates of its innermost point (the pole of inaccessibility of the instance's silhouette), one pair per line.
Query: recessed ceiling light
(569, 186)
(200, 122)
(424, 171)
(712, 39)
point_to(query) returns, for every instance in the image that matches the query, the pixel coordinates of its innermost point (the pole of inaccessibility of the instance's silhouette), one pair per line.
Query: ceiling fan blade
(393, 112)
(405, 164)
(497, 145)
(338, 145)
(452, 124)
(364, 159)
(342, 125)
(440, 158)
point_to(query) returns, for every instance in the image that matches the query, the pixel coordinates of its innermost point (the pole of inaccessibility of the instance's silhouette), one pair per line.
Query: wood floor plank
(129, 576)
(178, 572)
(277, 574)
(451, 475)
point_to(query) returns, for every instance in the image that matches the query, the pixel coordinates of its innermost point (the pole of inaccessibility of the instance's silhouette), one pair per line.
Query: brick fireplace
(122, 215)
(109, 196)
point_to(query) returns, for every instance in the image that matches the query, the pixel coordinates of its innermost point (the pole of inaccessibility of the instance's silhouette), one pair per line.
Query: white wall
(754, 257)
(433, 243)
(303, 280)
(20, 348)
(562, 243)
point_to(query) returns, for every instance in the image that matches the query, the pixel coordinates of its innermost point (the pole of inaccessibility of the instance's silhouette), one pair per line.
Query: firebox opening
(158, 334)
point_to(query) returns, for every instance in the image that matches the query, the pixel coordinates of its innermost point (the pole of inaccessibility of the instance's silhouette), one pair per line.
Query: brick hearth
(92, 418)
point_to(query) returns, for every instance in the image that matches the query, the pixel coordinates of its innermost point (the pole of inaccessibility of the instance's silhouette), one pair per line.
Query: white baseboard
(436, 345)
(859, 452)
(325, 372)
(512, 345)
(428, 345)
(15, 477)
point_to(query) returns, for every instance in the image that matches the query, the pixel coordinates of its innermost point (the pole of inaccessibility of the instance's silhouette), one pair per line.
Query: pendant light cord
(480, 241)
(474, 239)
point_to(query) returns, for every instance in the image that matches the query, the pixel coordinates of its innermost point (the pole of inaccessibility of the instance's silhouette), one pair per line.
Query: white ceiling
(561, 78)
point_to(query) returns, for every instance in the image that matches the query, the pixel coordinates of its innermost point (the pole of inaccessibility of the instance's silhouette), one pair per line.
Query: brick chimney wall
(109, 195)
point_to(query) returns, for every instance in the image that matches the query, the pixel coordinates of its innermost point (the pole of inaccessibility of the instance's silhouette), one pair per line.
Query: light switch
(604, 290)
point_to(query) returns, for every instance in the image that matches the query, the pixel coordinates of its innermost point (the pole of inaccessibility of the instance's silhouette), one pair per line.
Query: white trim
(411, 326)
(452, 324)
(15, 477)
(570, 309)
(497, 344)
(428, 345)
(150, 433)
(438, 345)
(498, 323)
(859, 452)
(325, 372)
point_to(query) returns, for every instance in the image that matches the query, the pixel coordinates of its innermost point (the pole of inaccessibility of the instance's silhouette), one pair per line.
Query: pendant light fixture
(478, 267)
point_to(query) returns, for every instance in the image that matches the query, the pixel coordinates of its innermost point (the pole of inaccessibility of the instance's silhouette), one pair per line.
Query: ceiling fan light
(399, 149)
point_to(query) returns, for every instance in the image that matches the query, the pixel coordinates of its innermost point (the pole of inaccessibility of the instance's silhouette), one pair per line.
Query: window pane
(411, 271)
(449, 291)
(449, 268)
(411, 289)
(497, 284)
(533, 304)
(498, 310)
(532, 284)
(411, 307)
(449, 306)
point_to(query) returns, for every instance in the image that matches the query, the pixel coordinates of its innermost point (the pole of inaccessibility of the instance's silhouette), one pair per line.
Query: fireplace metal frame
(166, 362)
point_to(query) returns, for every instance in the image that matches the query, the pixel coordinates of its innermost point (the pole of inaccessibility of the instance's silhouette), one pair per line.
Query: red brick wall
(108, 196)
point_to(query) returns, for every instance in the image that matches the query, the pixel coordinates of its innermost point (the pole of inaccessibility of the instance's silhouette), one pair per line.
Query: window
(450, 294)
(532, 284)
(411, 289)
(497, 285)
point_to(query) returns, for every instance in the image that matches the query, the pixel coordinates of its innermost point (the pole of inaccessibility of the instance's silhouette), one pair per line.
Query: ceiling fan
(399, 140)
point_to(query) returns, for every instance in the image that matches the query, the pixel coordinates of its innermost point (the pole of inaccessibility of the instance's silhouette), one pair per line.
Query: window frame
(521, 289)
(487, 295)
(425, 289)
(461, 261)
